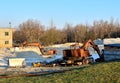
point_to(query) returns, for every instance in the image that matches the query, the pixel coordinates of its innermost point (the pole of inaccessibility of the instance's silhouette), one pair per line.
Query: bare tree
(52, 36)
(81, 33)
(70, 33)
(32, 30)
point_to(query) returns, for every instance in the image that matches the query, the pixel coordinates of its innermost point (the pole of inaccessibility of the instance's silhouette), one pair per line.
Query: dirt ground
(34, 71)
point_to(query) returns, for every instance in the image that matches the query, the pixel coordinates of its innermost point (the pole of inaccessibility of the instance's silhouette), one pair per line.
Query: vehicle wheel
(91, 60)
(85, 61)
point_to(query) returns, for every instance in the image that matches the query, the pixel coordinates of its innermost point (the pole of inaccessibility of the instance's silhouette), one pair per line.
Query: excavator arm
(49, 52)
(90, 43)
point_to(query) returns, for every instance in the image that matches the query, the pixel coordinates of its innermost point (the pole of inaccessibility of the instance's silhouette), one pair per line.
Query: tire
(85, 61)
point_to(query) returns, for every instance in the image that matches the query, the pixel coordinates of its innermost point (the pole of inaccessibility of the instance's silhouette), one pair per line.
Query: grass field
(108, 72)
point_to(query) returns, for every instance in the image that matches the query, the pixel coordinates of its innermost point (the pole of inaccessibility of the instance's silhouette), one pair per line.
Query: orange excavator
(48, 52)
(81, 54)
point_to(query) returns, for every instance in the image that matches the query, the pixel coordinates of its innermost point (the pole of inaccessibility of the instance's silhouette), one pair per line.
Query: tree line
(34, 31)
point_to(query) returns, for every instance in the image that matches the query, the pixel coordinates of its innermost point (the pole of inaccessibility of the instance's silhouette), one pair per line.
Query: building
(6, 37)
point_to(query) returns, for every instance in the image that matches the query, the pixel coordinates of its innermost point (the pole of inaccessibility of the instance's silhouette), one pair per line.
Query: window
(6, 33)
(6, 42)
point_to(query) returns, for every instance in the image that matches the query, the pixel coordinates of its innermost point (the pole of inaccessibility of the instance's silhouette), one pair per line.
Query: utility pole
(52, 24)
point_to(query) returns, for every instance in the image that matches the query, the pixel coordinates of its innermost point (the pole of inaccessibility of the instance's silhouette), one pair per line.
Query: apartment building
(6, 37)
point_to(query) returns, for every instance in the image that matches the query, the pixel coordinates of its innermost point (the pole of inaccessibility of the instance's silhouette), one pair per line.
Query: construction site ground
(35, 71)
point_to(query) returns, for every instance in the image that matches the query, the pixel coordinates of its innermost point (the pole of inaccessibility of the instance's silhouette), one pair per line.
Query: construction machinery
(81, 54)
(44, 52)
(38, 64)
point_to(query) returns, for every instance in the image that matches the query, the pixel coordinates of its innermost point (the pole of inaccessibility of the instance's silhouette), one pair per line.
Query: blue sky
(60, 11)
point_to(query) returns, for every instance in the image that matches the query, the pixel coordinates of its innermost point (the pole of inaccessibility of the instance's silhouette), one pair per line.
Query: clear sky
(60, 11)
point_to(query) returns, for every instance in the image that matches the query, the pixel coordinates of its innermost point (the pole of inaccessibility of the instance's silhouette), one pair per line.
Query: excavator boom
(90, 43)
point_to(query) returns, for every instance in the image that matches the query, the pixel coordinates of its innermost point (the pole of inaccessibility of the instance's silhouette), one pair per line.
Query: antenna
(10, 24)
